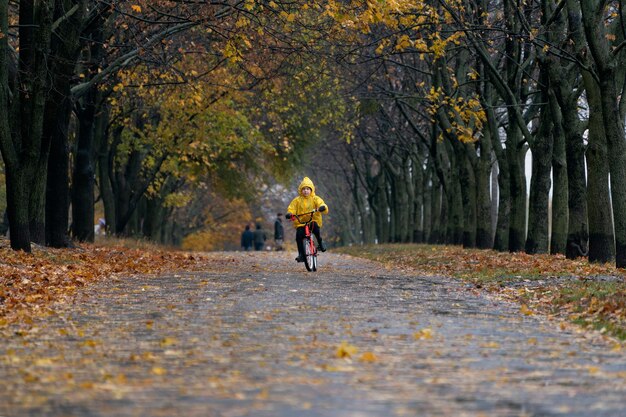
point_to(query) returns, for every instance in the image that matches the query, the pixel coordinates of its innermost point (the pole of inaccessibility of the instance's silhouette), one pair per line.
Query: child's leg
(317, 231)
(299, 237)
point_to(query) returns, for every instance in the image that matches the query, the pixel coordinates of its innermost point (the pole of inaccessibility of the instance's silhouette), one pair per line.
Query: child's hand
(288, 216)
(322, 208)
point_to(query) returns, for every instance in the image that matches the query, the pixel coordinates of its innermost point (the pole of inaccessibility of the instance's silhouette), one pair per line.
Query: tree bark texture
(538, 210)
(515, 152)
(606, 66)
(65, 47)
(559, 214)
(83, 176)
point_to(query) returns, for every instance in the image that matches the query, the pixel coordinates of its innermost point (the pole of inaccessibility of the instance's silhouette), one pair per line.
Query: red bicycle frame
(310, 250)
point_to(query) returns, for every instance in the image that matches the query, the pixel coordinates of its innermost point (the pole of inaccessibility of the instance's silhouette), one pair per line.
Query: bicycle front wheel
(310, 258)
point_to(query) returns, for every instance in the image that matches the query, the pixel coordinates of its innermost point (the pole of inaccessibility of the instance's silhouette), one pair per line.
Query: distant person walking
(259, 237)
(279, 232)
(247, 238)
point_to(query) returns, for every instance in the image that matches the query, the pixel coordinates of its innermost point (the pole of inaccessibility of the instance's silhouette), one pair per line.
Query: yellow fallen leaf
(346, 350)
(90, 343)
(423, 334)
(44, 362)
(168, 341)
(368, 357)
(593, 370)
(157, 370)
(525, 310)
(29, 378)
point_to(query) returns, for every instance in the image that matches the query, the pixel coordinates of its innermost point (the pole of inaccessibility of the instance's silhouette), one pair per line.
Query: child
(307, 201)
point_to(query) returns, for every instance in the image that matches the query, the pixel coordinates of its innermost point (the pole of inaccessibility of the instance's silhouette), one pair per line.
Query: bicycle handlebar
(293, 217)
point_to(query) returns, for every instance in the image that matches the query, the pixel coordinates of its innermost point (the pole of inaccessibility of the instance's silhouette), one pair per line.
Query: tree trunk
(515, 155)
(495, 195)
(468, 195)
(400, 203)
(37, 200)
(65, 48)
(418, 200)
(21, 120)
(577, 230)
(105, 166)
(484, 229)
(381, 208)
(601, 236)
(614, 129)
(58, 115)
(606, 65)
(409, 185)
(124, 192)
(387, 213)
(537, 240)
(501, 194)
(33, 64)
(454, 197)
(83, 178)
(562, 78)
(17, 209)
(427, 188)
(436, 210)
(559, 215)
(155, 218)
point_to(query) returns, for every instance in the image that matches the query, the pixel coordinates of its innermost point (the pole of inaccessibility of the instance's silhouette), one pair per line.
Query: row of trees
(143, 105)
(452, 91)
(55, 57)
(410, 108)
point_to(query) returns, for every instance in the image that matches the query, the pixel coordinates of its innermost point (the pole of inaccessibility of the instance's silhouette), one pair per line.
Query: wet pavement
(257, 335)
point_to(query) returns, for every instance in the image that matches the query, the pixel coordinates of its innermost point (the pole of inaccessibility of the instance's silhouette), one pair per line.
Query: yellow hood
(306, 182)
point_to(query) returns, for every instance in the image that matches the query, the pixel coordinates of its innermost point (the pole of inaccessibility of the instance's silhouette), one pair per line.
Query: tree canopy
(417, 118)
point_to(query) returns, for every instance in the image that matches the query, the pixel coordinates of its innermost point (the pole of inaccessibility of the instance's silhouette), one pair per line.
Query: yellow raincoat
(302, 204)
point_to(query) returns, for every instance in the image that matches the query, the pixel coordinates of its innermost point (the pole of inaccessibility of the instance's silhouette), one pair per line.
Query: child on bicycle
(306, 202)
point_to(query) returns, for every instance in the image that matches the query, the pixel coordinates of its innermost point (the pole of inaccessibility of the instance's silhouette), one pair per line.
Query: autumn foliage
(30, 282)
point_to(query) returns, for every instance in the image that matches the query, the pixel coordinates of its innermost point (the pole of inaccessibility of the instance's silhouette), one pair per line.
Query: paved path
(258, 336)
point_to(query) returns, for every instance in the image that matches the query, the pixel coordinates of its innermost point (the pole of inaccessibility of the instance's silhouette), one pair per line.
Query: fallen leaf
(423, 334)
(368, 357)
(346, 350)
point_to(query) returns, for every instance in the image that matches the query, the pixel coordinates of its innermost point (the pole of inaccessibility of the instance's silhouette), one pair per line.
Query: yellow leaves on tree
(466, 114)
(186, 126)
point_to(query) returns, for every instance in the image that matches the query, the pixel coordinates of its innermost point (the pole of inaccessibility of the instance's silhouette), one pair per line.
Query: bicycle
(310, 250)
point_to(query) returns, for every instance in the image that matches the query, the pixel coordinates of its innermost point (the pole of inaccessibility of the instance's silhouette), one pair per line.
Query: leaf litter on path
(271, 340)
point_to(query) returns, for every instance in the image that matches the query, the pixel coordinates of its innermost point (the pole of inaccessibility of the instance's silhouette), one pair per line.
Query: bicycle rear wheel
(310, 258)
